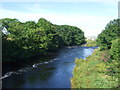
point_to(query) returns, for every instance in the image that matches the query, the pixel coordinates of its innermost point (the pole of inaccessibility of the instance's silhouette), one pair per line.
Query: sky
(90, 17)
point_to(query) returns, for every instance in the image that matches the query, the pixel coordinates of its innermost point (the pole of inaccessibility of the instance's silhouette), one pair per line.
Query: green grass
(90, 43)
(93, 72)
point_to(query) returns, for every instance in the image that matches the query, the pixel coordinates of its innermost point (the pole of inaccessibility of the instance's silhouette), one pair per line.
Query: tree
(71, 35)
(30, 39)
(114, 51)
(111, 32)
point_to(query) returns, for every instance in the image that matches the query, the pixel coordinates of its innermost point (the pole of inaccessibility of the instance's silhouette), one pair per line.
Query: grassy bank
(90, 43)
(95, 71)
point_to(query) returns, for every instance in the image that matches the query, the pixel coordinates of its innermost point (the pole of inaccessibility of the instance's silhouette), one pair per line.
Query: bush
(114, 51)
(111, 32)
(93, 72)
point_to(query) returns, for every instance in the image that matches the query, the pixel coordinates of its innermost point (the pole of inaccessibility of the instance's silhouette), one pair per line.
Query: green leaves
(111, 32)
(71, 35)
(114, 51)
(94, 73)
(101, 69)
(37, 38)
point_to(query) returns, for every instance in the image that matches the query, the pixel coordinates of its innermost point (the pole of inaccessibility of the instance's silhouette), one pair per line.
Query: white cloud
(91, 25)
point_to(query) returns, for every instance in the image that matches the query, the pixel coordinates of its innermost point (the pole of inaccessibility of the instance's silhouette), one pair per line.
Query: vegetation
(95, 72)
(90, 43)
(114, 51)
(111, 32)
(101, 69)
(29, 39)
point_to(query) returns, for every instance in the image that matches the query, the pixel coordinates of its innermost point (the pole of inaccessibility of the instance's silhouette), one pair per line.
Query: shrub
(114, 51)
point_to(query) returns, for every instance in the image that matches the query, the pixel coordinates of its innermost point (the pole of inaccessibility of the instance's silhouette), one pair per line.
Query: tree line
(108, 39)
(30, 38)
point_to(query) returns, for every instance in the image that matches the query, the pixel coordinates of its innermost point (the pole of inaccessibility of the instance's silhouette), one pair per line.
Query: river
(55, 73)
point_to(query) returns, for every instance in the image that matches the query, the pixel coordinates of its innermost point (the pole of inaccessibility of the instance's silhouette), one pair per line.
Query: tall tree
(111, 32)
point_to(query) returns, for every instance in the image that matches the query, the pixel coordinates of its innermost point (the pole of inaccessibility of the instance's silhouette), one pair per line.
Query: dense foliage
(71, 35)
(109, 39)
(31, 38)
(95, 72)
(111, 32)
(114, 51)
(101, 69)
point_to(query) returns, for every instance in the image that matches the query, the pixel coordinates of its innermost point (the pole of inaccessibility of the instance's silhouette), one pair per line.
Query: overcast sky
(91, 17)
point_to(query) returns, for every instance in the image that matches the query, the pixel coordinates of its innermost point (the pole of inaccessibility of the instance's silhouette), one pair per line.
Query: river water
(55, 73)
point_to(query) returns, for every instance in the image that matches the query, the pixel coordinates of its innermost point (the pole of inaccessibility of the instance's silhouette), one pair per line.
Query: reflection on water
(55, 73)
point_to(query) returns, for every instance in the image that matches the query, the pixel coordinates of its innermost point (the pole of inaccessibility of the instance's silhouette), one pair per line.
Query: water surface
(53, 74)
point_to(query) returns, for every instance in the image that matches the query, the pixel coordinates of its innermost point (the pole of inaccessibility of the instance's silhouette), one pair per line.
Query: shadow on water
(14, 66)
(55, 73)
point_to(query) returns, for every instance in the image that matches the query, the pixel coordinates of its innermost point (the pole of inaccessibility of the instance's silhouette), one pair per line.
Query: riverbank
(95, 71)
(90, 43)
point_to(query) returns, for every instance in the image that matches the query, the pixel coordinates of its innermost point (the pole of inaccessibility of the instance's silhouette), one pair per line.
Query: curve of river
(55, 73)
